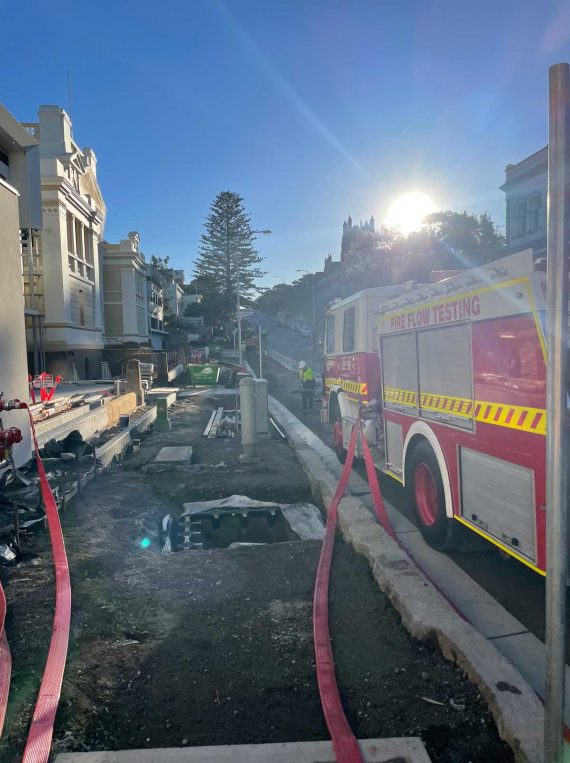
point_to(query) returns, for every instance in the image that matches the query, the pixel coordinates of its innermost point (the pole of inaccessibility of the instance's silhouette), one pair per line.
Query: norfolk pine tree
(227, 242)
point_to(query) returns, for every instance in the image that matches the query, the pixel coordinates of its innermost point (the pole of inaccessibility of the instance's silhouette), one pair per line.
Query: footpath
(200, 648)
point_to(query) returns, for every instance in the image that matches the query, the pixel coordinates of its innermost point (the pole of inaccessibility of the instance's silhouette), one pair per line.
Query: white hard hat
(302, 364)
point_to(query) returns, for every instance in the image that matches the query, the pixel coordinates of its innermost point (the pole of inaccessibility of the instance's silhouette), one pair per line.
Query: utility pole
(556, 409)
(314, 326)
(253, 233)
(238, 308)
(260, 353)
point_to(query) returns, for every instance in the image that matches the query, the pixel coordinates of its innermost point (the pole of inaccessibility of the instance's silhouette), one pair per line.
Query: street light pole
(253, 233)
(310, 272)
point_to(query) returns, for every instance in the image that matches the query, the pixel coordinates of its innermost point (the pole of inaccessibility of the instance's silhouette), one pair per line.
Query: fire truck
(450, 381)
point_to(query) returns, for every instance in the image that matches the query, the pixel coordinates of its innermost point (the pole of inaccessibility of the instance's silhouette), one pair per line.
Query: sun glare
(408, 212)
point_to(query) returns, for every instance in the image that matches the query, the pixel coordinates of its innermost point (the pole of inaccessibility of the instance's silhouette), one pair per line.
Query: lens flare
(409, 211)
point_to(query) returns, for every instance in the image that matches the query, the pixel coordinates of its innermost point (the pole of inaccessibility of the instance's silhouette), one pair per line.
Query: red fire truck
(450, 379)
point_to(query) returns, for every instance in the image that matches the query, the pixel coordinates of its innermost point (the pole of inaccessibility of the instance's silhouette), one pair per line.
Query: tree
(161, 264)
(227, 248)
(463, 240)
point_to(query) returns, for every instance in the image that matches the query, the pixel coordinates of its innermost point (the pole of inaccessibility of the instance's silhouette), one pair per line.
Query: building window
(88, 245)
(70, 234)
(81, 307)
(348, 330)
(519, 218)
(78, 239)
(533, 213)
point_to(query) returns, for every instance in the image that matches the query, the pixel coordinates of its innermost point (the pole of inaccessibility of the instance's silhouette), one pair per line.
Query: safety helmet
(302, 364)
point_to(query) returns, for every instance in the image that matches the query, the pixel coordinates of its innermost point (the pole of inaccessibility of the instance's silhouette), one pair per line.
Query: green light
(145, 543)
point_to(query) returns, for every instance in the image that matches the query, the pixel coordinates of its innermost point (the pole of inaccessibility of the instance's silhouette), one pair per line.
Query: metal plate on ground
(397, 750)
(178, 453)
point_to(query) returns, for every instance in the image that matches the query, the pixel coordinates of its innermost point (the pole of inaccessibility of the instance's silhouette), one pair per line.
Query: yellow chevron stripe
(359, 388)
(522, 418)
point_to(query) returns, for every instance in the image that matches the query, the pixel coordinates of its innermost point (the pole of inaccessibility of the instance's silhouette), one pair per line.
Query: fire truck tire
(335, 419)
(428, 497)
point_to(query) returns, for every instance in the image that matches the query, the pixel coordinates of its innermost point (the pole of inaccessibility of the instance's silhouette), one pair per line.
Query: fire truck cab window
(348, 330)
(330, 334)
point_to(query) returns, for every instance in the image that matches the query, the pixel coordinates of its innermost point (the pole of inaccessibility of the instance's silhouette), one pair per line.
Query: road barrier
(283, 360)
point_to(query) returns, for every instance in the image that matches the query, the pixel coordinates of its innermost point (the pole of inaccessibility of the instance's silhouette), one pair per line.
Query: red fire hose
(5, 662)
(41, 730)
(344, 742)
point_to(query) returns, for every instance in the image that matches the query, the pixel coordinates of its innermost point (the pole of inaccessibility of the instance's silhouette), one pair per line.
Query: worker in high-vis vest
(307, 378)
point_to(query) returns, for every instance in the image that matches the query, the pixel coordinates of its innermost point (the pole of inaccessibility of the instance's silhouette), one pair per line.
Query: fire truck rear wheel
(428, 497)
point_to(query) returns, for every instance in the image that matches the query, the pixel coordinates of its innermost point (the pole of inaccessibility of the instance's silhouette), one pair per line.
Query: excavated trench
(230, 528)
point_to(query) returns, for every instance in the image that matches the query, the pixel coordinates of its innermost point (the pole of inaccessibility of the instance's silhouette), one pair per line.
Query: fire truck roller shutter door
(418, 430)
(399, 372)
(445, 375)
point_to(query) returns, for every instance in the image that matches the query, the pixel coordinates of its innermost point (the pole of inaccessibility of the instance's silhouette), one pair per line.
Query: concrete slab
(209, 390)
(170, 393)
(179, 453)
(396, 750)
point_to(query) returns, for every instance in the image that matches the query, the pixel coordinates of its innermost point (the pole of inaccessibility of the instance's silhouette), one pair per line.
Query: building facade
(20, 210)
(155, 301)
(125, 307)
(68, 249)
(526, 188)
(173, 294)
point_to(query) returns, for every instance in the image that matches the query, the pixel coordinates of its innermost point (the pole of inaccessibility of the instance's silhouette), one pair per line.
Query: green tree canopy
(226, 250)
(162, 265)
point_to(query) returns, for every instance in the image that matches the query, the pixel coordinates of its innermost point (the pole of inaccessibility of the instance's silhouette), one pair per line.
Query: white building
(155, 301)
(125, 305)
(20, 209)
(173, 294)
(68, 251)
(526, 188)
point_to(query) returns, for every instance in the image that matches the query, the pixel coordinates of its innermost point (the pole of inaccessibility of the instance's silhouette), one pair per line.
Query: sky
(310, 109)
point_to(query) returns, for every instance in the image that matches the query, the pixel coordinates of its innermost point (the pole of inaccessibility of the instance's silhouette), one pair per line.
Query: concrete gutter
(396, 750)
(425, 613)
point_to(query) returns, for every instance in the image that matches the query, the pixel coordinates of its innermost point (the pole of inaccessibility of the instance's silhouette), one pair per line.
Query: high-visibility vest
(306, 374)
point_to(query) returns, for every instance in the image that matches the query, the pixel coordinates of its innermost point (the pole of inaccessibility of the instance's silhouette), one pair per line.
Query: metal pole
(314, 323)
(260, 354)
(556, 478)
(238, 308)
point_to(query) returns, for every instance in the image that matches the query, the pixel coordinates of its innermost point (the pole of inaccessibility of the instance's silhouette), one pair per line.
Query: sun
(408, 212)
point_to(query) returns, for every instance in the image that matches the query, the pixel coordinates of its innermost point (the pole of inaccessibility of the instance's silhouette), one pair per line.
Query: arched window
(533, 213)
(519, 218)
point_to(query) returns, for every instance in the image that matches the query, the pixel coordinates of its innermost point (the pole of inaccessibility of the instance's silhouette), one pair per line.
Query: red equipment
(46, 384)
(13, 435)
(452, 377)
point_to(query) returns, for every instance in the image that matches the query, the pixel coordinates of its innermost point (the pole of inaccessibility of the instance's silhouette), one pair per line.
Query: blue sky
(310, 109)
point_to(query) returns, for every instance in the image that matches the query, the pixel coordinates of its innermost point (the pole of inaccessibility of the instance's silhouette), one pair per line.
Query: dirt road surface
(215, 647)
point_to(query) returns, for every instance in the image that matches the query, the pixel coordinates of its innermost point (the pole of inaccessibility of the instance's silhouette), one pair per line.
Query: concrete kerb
(425, 613)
